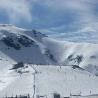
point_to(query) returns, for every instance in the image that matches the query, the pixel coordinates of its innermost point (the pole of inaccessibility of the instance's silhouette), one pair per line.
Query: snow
(47, 67)
(62, 49)
(48, 80)
(64, 81)
(17, 84)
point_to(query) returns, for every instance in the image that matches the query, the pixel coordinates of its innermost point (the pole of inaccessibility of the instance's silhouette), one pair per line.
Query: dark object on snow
(79, 59)
(20, 96)
(10, 43)
(18, 65)
(51, 56)
(56, 95)
(77, 67)
(25, 41)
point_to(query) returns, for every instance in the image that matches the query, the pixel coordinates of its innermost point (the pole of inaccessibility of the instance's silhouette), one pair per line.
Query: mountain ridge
(30, 46)
(32, 63)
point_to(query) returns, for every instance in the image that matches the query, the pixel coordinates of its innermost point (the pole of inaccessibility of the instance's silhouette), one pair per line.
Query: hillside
(30, 46)
(19, 45)
(85, 55)
(32, 63)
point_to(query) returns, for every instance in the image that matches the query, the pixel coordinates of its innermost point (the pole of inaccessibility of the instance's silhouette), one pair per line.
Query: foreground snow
(64, 81)
(48, 80)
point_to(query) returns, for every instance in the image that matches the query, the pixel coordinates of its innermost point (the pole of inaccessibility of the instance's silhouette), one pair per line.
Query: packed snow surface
(48, 80)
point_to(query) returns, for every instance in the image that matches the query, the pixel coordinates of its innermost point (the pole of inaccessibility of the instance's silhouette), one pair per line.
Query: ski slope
(48, 80)
(14, 83)
(64, 81)
(50, 66)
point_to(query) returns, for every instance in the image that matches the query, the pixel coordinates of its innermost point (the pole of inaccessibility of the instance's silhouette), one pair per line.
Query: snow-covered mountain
(30, 46)
(21, 50)
(84, 55)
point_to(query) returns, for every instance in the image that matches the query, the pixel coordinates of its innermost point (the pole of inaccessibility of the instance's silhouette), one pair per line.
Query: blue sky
(65, 19)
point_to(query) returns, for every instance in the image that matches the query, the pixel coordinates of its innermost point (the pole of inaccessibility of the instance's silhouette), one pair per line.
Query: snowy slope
(14, 83)
(84, 55)
(64, 67)
(64, 81)
(22, 45)
(34, 47)
(48, 80)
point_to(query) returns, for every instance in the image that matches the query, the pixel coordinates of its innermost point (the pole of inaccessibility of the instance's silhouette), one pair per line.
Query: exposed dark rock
(18, 65)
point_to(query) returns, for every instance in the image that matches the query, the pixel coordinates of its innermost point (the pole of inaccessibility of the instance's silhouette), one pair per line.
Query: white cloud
(83, 8)
(16, 9)
(21, 9)
(86, 18)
